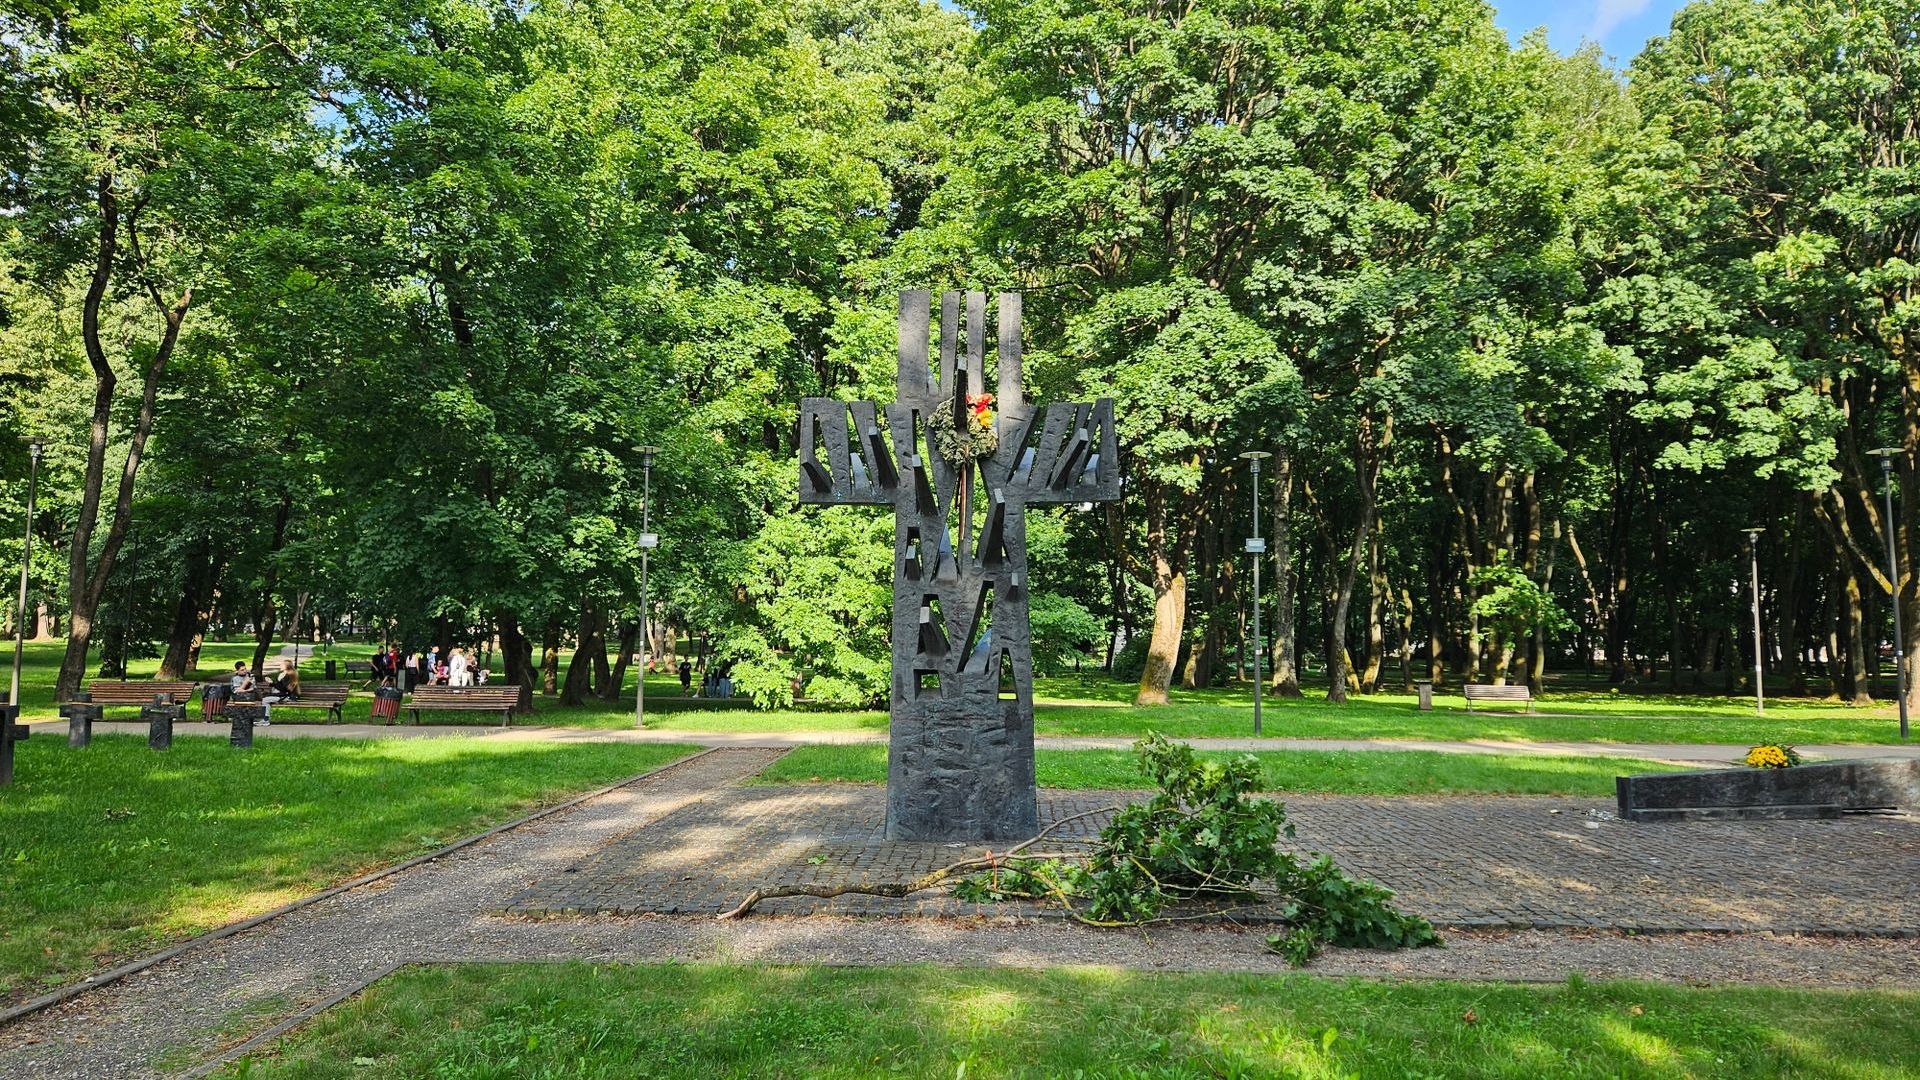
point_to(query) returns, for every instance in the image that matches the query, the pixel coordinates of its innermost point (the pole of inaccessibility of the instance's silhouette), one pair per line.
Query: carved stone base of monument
(956, 771)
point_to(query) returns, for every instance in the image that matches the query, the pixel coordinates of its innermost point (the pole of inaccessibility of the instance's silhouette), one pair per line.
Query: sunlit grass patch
(1343, 772)
(718, 1020)
(116, 848)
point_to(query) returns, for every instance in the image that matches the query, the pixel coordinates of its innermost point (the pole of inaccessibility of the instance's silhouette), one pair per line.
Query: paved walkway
(1677, 753)
(694, 821)
(1519, 862)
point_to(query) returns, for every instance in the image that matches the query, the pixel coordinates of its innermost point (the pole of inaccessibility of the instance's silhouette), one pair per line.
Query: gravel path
(169, 1018)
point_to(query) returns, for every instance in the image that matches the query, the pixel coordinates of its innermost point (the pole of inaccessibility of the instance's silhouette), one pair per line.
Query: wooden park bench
(493, 699)
(115, 693)
(320, 695)
(1483, 692)
(360, 669)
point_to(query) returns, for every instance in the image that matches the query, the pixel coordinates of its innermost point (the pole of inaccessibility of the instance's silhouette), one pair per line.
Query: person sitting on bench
(284, 686)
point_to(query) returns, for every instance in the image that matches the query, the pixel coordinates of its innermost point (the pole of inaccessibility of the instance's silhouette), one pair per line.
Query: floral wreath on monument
(971, 439)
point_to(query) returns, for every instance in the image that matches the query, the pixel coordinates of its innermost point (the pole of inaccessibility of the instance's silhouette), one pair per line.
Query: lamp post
(1759, 688)
(1885, 454)
(1257, 548)
(648, 541)
(35, 447)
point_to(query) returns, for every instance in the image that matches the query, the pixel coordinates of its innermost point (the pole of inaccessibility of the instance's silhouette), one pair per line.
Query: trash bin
(213, 700)
(386, 704)
(333, 670)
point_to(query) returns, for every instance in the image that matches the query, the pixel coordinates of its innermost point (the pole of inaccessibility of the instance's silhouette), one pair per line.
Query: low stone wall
(1825, 789)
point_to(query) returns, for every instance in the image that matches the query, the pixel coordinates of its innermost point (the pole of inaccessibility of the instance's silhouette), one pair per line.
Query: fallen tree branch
(897, 889)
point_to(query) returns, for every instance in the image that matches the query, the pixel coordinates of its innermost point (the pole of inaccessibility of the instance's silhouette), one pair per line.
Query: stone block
(1800, 791)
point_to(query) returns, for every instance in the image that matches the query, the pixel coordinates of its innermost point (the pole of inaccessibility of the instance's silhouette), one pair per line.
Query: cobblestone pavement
(689, 833)
(1468, 862)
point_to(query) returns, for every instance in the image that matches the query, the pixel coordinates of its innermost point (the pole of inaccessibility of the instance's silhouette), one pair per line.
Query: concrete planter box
(1825, 789)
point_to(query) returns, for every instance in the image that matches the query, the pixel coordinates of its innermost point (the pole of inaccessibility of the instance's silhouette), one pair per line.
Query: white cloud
(1608, 14)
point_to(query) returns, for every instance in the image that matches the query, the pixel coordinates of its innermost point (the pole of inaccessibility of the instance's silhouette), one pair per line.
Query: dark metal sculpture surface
(960, 756)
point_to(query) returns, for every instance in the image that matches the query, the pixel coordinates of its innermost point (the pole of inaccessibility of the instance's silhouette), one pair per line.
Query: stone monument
(959, 467)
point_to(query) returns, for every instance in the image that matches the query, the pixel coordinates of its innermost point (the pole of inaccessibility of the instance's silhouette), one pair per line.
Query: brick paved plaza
(1502, 861)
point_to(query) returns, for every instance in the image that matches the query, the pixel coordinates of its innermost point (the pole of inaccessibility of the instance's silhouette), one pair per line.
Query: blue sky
(1620, 26)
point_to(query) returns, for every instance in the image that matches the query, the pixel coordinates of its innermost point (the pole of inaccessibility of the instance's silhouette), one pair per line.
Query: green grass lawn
(116, 849)
(1573, 710)
(1333, 772)
(701, 1021)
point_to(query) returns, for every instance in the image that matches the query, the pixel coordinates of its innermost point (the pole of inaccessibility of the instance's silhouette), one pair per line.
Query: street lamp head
(1754, 530)
(1886, 454)
(1253, 459)
(646, 455)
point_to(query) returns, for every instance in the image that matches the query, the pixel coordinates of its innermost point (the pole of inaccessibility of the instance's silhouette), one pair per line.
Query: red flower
(980, 402)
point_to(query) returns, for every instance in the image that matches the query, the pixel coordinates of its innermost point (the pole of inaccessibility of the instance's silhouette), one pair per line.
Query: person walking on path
(458, 671)
(686, 677)
(430, 667)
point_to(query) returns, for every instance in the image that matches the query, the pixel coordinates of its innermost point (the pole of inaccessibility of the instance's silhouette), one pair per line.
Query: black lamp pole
(1257, 547)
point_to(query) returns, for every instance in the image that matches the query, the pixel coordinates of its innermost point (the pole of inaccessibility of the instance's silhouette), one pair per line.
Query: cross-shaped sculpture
(960, 752)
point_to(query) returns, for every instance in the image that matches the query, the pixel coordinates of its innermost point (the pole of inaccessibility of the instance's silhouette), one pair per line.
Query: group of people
(458, 668)
(716, 683)
(282, 685)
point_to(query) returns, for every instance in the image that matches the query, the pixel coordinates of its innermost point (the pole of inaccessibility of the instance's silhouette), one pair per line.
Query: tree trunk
(1339, 664)
(629, 639)
(191, 611)
(579, 682)
(1537, 669)
(1405, 623)
(1376, 613)
(1169, 603)
(604, 687)
(268, 613)
(1853, 612)
(1788, 643)
(516, 654)
(86, 583)
(550, 657)
(1437, 613)
(1198, 671)
(1286, 644)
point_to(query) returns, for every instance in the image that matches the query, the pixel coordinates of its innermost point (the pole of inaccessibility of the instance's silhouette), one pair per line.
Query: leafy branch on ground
(1205, 840)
